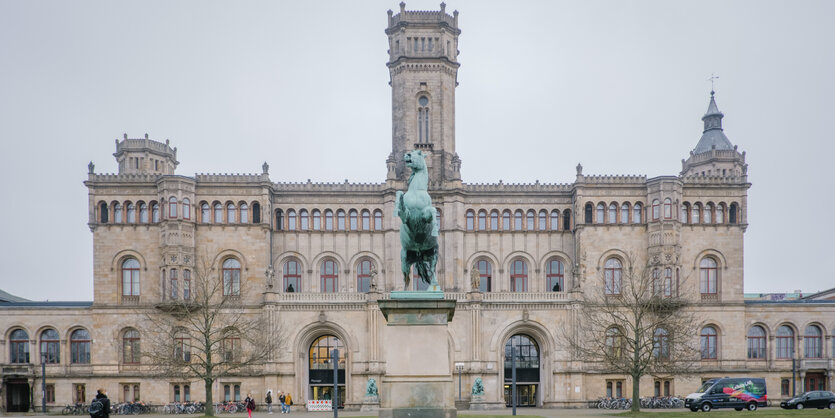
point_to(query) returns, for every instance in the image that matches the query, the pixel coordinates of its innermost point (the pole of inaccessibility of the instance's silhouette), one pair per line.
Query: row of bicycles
(229, 407)
(137, 408)
(654, 402)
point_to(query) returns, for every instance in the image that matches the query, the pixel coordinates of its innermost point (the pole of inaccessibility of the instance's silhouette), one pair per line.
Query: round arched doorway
(320, 364)
(526, 356)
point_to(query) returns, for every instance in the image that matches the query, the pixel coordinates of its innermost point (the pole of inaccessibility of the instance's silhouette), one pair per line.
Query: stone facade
(536, 246)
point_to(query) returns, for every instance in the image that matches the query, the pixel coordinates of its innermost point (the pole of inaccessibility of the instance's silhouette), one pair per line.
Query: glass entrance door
(325, 393)
(525, 395)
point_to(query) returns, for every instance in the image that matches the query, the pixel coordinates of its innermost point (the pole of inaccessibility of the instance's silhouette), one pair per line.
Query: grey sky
(617, 85)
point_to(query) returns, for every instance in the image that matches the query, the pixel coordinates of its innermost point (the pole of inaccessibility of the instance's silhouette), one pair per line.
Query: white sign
(319, 406)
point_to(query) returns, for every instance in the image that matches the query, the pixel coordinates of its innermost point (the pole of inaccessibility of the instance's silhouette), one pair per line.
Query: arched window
(230, 213)
(130, 277)
(340, 220)
(279, 220)
(364, 275)
(104, 217)
(661, 344)
(518, 276)
(316, 216)
(612, 275)
(117, 213)
(485, 274)
(304, 220)
(566, 220)
(524, 350)
(130, 346)
(231, 277)
(708, 340)
(668, 208)
(182, 348)
(328, 220)
(19, 346)
(756, 343)
(366, 220)
(685, 210)
(256, 215)
(614, 343)
(668, 282)
(321, 365)
(131, 213)
(330, 277)
(636, 213)
(708, 214)
(218, 213)
(292, 276)
(378, 220)
(80, 347)
(186, 284)
(352, 219)
(588, 213)
(506, 220)
(518, 220)
(470, 220)
(51, 346)
(154, 212)
(482, 220)
(172, 207)
(423, 119)
(656, 209)
(494, 220)
(244, 213)
(720, 213)
(554, 276)
(186, 208)
(732, 213)
(601, 214)
(530, 220)
(708, 270)
(172, 274)
(812, 342)
(204, 213)
(613, 213)
(291, 220)
(624, 213)
(555, 220)
(785, 342)
(695, 214)
(543, 220)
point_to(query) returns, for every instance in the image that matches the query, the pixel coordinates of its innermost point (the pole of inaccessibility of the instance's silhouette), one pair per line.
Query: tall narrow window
(154, 212)
(685, 210)
(292, 276)
(668, 208)
(279, 220)
(80, 347)
(423, 119)
(517, 220)
(661, 344)
(186, 284)
(131, 213)
(130, 277)
(589, 213)
(555, 220)
(364, 275)
(601, 214)
(230, 213)
(256, 213)
(720, 213)
(506, 222)
(172, 273)
(530, 220)
(470, 220)
(612, 275)
(709, 213)
(554, 277)
(668, 282)
(218, 213)
(204, 213)
(186, 208)
(328, 220)
(543, 220)
(340, 220)
(51, 346)
(519, 276)
(656, 209)
(244, 213)
(103, 215)
(785, 342)
(304, 220)
(172, 207)
(317, 219)
(812, 346)
(566, 220)
(329, 276)
(695, 214)
(732, 213)
(19, 346)
(613, 213)
(352, 219)
(708, 270)
(482, 220)
(378, 220)
(494, 220)
(636, 213)
(485, 274)
(366, 220)
(291, 220)
(117, 213)
(708, 338)
(231, 277)
(756, 343)
(624, 213)
(130, 347)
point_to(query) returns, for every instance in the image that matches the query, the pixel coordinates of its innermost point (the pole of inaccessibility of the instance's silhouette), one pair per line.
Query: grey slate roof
(713, 136)
(8, 297)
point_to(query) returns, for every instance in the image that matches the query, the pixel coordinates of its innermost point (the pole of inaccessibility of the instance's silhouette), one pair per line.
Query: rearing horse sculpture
(419, 228)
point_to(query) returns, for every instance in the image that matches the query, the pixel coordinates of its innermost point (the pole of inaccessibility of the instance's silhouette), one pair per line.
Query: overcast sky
(617, 85)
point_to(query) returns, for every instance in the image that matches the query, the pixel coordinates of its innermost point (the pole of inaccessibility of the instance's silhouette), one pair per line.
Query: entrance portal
(527, 370)
(814, 381)
(320, 371)
(17, 395)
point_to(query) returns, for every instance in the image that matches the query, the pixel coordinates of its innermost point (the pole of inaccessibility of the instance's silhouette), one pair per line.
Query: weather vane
(712, 78)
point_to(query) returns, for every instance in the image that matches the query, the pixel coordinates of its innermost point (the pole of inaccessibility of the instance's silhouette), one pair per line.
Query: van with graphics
(738, 393)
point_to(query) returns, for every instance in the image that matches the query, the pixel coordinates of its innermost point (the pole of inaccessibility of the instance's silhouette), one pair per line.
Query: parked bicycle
(662, 402)
(74, 409)
(184, 408)
(613, 403)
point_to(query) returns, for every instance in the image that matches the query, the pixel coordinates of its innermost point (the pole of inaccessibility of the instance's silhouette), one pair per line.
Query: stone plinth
(418, 380)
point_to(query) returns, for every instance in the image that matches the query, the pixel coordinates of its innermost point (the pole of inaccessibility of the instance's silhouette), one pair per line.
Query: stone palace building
(536, 247)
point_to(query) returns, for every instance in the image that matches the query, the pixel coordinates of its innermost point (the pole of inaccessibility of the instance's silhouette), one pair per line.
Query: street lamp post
(460, 368)
(513, 379)
(335, 397)
(43, 381)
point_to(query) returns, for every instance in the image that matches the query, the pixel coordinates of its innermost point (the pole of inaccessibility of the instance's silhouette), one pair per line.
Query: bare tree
(209, 333)
(634, 321)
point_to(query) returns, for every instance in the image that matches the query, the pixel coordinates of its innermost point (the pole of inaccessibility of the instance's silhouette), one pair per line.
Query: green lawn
(762, 412)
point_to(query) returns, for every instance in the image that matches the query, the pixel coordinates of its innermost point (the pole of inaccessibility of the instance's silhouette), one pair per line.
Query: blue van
(736, 392)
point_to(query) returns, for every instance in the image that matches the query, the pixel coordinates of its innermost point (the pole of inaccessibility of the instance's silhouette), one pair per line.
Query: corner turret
(145, 156)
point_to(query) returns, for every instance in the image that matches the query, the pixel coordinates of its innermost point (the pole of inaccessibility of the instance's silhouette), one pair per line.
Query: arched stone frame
(796, 341)
(626, 267)
(497, 269)
(567, 265)
(769, 338)
(721, 266)
(720, 333)
(223, 255)
(301, 345)
(116, 268)
(238, 207)
(617, 212)
(315, 270)
(225, 209)
(120, 344)
(430, 110)
(543, 338)
(32, 342)
(261, 207)
(283, 258)
(35, 344)
(351, 268)
(67, 341)
(802, 337)
(504, 279)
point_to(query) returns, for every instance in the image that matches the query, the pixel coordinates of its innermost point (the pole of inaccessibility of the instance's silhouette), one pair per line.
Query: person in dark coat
(250, 404)
(101, 395)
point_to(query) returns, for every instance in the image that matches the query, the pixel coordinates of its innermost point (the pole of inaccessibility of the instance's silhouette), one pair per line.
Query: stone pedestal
(418, 381)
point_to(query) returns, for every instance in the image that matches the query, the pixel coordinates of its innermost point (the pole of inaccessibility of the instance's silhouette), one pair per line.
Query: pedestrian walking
(269, 401)
(100, 407)
(282, 399)
(250, 404)
(288, 400)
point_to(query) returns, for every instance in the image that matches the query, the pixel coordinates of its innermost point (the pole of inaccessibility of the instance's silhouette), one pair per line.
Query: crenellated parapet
(231, 178)
(502, 187)
(406, 17)
(615, 179)
(310, 186)
(711, 180)
(122, 178)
